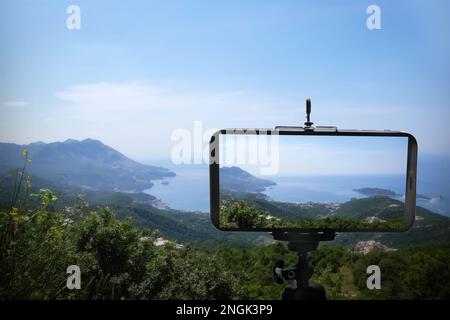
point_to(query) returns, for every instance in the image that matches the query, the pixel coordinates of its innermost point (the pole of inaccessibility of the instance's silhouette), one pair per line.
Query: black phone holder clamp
(301, 287)
(308, 125)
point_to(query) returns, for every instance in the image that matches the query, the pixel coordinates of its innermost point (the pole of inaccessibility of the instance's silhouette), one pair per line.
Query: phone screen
(312, 182)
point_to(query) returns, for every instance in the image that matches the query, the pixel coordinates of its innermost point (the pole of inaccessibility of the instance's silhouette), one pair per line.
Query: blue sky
(138, 70)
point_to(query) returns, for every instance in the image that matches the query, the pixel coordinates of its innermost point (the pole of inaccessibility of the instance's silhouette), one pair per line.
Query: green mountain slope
(89, 164)
(278, 208)
(429, 227)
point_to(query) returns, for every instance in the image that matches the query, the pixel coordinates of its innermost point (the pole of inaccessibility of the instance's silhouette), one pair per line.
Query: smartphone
(292, 179)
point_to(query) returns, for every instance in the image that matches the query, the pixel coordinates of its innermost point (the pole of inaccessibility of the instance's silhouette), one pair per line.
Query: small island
(389, 193)
(428, 198)
(377, 192)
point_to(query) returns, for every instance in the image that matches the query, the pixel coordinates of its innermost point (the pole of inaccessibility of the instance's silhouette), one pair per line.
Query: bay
(189, 189)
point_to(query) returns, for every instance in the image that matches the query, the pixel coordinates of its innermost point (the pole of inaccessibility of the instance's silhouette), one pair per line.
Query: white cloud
(138, 118)
(109, 95)
(13, 104)
(111, 102)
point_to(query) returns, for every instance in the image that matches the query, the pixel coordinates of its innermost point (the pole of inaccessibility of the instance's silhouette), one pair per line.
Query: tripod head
(301, 243)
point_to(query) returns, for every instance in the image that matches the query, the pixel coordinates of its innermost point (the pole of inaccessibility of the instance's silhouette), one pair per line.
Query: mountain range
(89, 164)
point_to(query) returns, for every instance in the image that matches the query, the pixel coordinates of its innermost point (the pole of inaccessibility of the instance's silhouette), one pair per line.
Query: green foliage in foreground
(117, 260)
(410, 273)
(242, 214)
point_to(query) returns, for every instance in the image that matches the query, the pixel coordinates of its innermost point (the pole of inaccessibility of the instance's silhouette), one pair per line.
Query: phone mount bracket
(308, 125)
(301, 287)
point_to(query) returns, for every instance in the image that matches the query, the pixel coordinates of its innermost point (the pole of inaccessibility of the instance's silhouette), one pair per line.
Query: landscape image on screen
(314, 182)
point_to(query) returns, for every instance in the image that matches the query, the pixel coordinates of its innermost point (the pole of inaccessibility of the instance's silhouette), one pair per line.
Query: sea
(189, 189)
